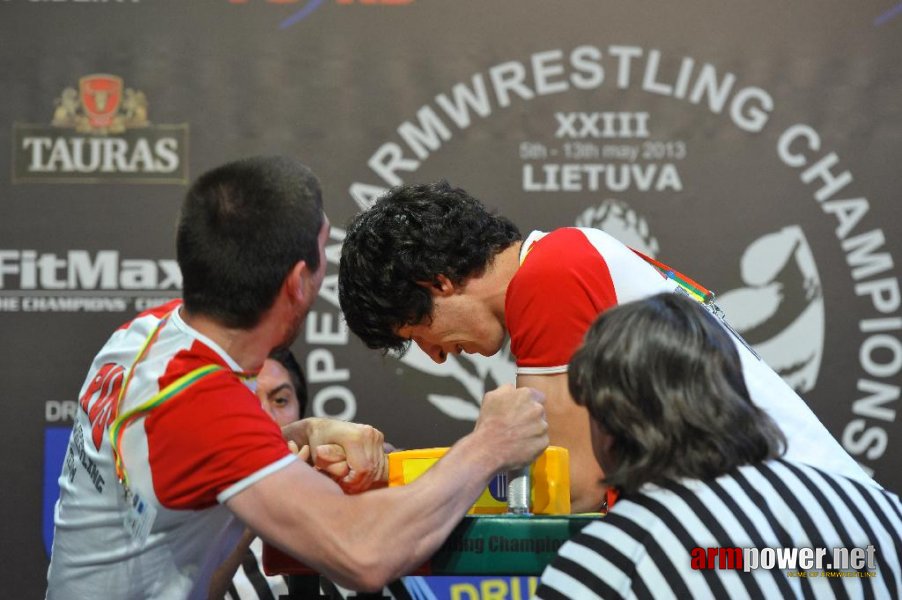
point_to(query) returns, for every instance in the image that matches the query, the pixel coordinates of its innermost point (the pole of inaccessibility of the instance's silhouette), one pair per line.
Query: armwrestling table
(490, 541)
(480, 545)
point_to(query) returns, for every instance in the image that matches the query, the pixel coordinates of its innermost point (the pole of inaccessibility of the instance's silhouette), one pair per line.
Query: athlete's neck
(247, 347)
(498, 275)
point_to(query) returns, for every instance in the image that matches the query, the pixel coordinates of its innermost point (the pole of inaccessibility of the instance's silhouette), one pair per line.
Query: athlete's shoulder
(566, 237)
(154, 313)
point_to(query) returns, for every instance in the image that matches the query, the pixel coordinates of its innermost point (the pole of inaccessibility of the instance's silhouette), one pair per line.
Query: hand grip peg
(519, 485)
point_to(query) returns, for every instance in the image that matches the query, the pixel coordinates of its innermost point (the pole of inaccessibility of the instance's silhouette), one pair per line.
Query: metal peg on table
(519, 485)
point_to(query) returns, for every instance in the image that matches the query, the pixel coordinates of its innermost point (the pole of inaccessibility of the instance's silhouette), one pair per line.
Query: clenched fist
(352, 454)
(512, 425)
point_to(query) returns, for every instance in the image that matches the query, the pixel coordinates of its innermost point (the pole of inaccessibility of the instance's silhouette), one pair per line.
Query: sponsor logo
(789, 559)
(305, 8)
(99, 133)
(83, 281)
(100, 398)
(600, 139)
(472, 588)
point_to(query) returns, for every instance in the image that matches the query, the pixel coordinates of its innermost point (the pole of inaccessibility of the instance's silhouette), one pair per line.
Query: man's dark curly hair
(664, 380)
(409, 237)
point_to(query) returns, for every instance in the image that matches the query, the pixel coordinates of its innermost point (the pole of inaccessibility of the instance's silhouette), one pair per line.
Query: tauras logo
(79, 155)
(100, 132)
(82, 270)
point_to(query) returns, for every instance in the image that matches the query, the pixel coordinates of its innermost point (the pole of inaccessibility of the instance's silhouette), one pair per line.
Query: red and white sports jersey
(569, 276)
(184, 459)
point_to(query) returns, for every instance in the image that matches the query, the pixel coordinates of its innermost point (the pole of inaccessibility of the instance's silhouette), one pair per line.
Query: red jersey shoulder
(157, 311)
(195, 356)
(559, 289)
(565, 246)
(564, 257)
(207, 438)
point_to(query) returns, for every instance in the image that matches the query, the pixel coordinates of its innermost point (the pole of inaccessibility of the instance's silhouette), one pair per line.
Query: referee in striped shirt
(707, 507)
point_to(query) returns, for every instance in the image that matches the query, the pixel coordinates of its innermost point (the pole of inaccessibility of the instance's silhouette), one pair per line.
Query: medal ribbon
(117, 429)
(689, 285)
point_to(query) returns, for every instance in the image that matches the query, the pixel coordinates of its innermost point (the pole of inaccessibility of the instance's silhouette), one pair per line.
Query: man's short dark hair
(242, 228)
(397, 248)
(285, 357)
(664, 379)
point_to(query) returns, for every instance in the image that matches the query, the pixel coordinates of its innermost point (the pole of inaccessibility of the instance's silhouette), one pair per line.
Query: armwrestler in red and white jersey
(200, 458)
(428, 264)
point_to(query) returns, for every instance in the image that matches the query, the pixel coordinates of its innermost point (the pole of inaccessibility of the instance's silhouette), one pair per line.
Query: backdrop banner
(753, 146)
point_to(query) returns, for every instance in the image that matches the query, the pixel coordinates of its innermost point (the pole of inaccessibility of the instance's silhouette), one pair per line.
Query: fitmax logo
(310, 6)
(78, 270)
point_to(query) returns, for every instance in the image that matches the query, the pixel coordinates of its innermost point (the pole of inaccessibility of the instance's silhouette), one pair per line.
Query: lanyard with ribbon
(139, 515)
(694, 289)
(124, 420)
(697, 292)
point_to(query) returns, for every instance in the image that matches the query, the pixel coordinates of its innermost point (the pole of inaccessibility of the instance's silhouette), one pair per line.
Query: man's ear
(295, 282)
(442, 286)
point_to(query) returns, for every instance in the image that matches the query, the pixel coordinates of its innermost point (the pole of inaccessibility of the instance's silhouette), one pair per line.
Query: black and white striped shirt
(644, 548)
(250, 583)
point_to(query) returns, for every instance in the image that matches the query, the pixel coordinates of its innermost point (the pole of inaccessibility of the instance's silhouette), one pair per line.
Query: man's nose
(434, 351)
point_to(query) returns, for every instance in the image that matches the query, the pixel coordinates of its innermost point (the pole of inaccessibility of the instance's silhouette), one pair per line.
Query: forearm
(568, 426)
(402, 527)
(363, 541)
(421, 515)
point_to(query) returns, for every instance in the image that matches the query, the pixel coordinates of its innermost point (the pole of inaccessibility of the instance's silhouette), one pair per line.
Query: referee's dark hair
(662, 378)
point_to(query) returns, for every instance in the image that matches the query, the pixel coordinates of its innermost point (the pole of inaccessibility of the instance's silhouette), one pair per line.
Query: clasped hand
(350, 453)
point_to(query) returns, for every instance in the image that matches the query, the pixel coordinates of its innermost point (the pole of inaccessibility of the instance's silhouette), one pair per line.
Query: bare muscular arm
(568, 426)
(365, 540)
